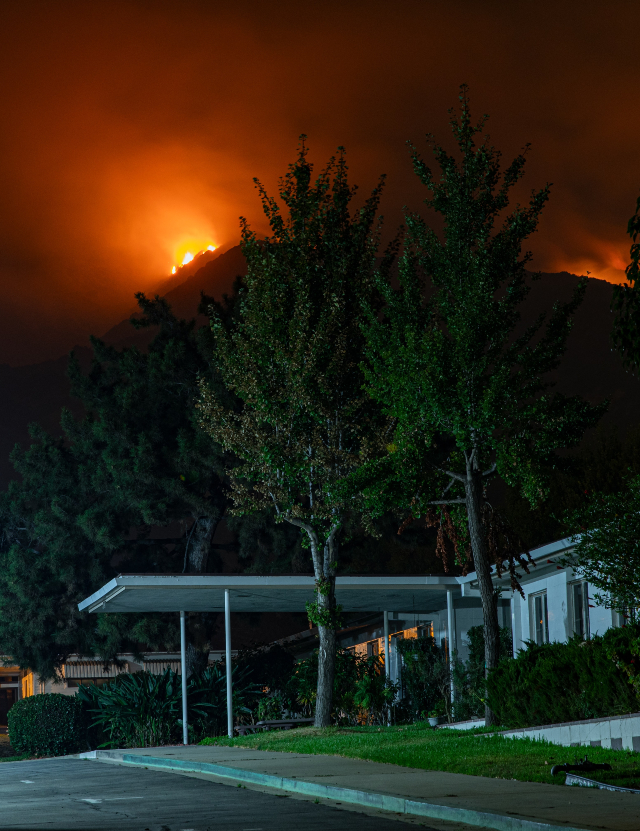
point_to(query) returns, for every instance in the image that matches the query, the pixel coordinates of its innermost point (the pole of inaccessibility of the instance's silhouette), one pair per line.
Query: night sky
(130, 131)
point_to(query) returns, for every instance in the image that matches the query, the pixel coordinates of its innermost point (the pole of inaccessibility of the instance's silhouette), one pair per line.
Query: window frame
(541, 626)
(583, 586)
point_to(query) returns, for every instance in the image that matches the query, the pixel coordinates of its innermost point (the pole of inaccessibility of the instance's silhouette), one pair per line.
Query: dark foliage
(50, 724)
(145, 710)
(361, 693)
(470, 397)
(560, 682)
(425, 677)
(469, 676)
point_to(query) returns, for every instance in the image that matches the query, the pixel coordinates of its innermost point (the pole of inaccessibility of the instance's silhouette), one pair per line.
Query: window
(579, 600)
(540, 618)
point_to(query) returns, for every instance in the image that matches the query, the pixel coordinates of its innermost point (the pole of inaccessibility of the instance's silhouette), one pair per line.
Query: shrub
(136, 710)
(207, 700)
(374, 693)
(49, 724)
(145, 710)
(469, 676)
(425, 676)
(559, 682)
(361, 692)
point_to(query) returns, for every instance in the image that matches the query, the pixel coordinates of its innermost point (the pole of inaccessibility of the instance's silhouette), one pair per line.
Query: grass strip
(471, 752)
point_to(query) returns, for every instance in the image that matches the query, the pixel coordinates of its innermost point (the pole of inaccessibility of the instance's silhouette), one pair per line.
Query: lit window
(540, 618)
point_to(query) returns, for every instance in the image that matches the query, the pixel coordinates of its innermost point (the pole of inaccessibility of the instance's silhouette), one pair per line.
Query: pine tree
(450, 364)
(136, 460)
(294, 361)
(153, 461)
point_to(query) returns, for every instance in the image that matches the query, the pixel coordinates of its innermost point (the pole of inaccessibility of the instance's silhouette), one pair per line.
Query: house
(557, 605)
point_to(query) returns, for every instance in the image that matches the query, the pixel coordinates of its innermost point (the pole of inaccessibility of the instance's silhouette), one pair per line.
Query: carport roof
(266, 593)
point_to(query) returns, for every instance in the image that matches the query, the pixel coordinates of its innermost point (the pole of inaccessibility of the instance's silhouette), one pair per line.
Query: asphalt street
(69, 794)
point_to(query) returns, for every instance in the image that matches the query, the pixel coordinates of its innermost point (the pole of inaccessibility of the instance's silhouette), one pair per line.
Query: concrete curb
(367, 799)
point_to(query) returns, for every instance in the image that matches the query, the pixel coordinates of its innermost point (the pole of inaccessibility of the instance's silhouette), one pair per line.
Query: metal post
(387, 663)
(513, 623)
(227, 643)
(451, 637)
(183, 669)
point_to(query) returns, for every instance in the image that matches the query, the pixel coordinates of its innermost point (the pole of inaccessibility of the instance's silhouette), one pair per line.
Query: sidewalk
(505, 805)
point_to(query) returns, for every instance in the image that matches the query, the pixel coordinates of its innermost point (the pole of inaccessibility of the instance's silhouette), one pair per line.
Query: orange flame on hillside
(184, 253)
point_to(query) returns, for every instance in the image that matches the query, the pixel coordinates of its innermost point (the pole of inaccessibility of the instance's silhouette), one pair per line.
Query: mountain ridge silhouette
(590, 366)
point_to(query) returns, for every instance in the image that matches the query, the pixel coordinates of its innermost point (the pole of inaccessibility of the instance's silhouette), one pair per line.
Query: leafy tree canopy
(448, 361)
(305, 425)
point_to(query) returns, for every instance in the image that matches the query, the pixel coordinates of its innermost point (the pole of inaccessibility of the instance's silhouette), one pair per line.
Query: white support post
(227, 643)
(387, 663)
(451, 637)
(183, 669)
(513, 623)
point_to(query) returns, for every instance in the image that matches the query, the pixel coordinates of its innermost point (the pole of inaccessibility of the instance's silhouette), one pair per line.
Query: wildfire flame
(184, 252)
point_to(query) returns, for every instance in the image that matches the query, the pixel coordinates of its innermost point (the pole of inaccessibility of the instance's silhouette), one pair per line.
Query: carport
(182, 593)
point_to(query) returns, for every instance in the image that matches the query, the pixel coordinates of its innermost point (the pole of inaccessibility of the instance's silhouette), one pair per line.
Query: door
(8, 697)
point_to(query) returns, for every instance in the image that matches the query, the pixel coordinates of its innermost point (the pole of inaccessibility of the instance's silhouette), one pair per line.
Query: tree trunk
(199, 543)
(474, 500)
(326, 598)
(326, 659)
(200, 626)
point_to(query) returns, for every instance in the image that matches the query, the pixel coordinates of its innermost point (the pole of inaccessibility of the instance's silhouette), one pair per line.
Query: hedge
(560, 682)
(49, 724)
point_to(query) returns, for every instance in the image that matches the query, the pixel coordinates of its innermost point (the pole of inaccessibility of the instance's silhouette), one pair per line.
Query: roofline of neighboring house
(550, 552)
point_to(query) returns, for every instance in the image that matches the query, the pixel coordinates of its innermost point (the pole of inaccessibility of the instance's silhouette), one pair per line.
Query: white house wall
(600, 618)
(557, 587)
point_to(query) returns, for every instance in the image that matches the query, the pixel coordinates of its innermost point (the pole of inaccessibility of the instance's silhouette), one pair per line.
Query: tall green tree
(55, 549)
(305, 426)
(133, 485)
(152, 460)
(448, 361)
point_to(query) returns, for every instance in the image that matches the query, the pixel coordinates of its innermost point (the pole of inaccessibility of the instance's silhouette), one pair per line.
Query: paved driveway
(69, 794)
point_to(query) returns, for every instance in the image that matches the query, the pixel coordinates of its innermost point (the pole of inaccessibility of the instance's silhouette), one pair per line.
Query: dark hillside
(590, 367)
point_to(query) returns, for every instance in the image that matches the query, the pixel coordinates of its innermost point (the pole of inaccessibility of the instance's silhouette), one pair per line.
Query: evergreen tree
(57, 543)
(152, 460)
(134, 485)
(449, 363)
(294, 360)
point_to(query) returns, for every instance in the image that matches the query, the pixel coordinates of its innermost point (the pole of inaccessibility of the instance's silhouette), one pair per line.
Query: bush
(145, 710)
(207, 700)
(469, 676)
(374, 693)
(361, 692)
(49, 724)
(425, 677)
(559, 682)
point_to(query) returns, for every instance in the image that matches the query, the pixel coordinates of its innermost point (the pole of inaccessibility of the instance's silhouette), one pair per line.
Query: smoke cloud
(130, 131)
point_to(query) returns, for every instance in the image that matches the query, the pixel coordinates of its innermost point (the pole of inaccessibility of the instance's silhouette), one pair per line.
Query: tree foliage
(606, 530)
(466, 384)
(94, 503)
(305, 425)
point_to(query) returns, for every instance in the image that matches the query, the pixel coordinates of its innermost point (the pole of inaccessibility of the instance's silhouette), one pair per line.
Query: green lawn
(471, 752)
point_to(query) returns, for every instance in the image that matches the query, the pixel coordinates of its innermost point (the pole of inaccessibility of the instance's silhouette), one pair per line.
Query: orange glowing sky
(130, 131)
